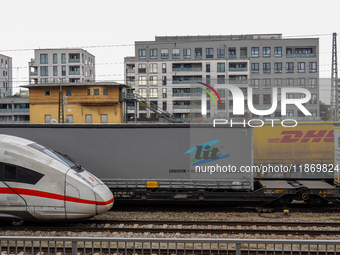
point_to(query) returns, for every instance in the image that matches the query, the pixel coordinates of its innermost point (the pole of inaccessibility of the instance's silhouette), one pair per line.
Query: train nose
(104, 198)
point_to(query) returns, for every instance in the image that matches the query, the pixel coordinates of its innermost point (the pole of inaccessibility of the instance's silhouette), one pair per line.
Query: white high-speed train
(39, 184)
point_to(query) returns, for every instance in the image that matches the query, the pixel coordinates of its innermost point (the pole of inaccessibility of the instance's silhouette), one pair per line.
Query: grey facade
(14, 110)
(5, 76)
(61, 65)
(167, 72)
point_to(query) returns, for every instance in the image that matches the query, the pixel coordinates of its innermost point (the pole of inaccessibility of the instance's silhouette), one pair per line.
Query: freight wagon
(178, 162)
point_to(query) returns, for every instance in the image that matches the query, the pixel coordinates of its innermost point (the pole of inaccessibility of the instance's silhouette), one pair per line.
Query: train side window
(25, 175)
(10, 172)
(1, 171)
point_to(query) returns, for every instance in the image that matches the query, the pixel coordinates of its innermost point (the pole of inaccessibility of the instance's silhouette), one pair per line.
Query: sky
(109, 28)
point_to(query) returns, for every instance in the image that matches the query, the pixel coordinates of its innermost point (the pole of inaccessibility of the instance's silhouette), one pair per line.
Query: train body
(37, 184)
(182, 162)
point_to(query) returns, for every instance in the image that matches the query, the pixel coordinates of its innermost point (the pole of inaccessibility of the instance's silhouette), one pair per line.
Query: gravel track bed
(196, 216)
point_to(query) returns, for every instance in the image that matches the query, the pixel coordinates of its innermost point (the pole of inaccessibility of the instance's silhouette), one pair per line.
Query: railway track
(188, 227)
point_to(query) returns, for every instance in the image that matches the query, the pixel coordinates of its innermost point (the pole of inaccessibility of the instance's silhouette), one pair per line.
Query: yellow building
(86, 102)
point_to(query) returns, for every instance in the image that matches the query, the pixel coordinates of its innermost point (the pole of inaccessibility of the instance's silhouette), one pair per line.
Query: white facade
(5, 76)
(61, 65)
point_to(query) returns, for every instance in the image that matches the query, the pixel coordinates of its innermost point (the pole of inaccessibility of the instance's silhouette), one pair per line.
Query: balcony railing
(186, 81)
(34, 73)
(237, 69)
(74, 73)
(5, 110)
(21, 110)
(238, 81)
(185, 94)
(187, 69)
(74, 60)
(300, 55)
(187, 106)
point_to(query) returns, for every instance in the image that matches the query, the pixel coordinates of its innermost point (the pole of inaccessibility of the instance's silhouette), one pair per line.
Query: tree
(324, 111)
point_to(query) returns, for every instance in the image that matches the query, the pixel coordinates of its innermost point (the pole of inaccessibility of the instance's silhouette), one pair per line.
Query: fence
(133, 246)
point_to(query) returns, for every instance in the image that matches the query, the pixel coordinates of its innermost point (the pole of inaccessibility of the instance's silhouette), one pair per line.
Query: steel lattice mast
(334, 113)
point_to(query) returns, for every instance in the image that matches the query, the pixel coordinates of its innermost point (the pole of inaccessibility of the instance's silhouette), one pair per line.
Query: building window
(221, 93)
(278, 67)
(48, 118)
(142, 53)
(88, 92)
(141, 68)
(221, 53)
(313, 99)
(164, 80)
(63, 58)
(209, 52)
(142, 81)
(232, 53)
(142, 92)
(221, 107)
(198, 52)
(266, 52)
(289, 67)
(290, 82)
(153, 93)
(44, 80)
(255, 52)
(44, 70)
(312, 83)
(164, 106)
(266, 83)
(301, 67)
(63, 70)
(105, 92)
(47, 93)
(186, 53)
(43, 59)
(164, 53)
(207, 79)
(69, 118)
(220, 67)
(256, 99)
(254, 67)
(163, 93)
(266, 67)
(153, 53)
(266, 99)
(312, 67)
(175, 53)
(255, 83)
(96, 92)
(207, 67)
(55, 58)
(68, 92)
(153, 68)
(220, 79)
(153, 80)
(277, 82)
(164, 68)
(301, 82)
(278, 51)
(55, 70)
(88, 118)
(103, 118)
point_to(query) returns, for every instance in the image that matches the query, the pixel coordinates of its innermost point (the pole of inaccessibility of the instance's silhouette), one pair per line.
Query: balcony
(130, 70)
(186, 81)
(74, 60)
(34, 73)
(21, 110)
(194, 106)
(5, 110)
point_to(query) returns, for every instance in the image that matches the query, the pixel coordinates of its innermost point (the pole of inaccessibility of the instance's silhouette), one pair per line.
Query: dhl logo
(315, 136)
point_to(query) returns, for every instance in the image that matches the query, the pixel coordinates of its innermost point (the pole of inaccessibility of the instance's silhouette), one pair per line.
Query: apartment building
(5, 76)
(14, 110)
(61, 65)
(168, 71)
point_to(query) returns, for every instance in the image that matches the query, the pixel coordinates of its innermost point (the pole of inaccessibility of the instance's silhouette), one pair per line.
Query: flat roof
(75, 84)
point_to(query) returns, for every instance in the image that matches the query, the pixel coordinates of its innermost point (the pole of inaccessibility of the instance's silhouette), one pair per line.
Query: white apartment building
(169, 70)
(61, 65)
(5, 76)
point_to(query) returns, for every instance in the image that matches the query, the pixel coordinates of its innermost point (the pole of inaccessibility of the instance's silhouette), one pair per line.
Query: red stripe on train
(36, 193)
